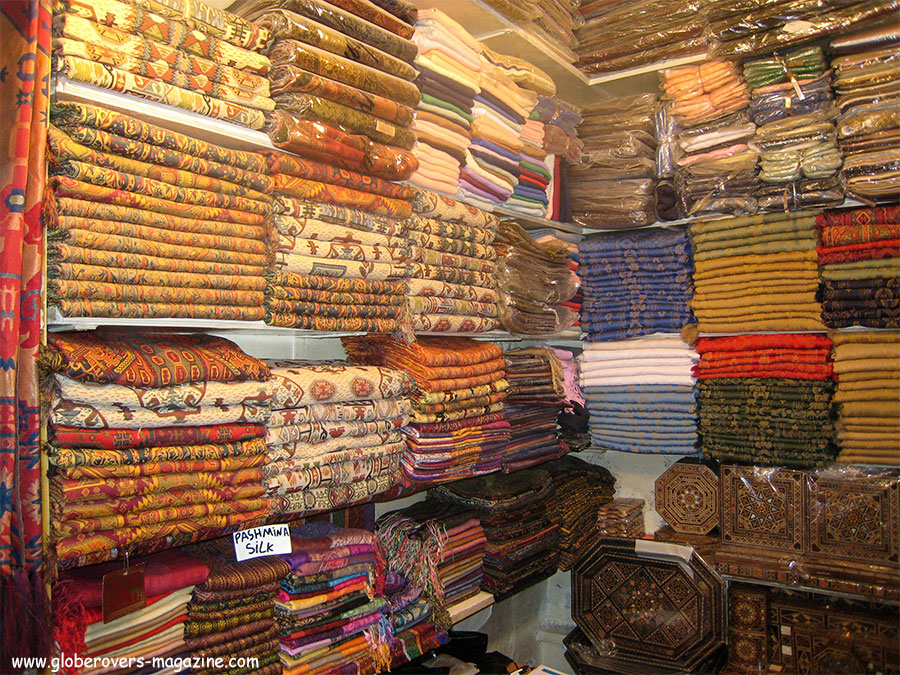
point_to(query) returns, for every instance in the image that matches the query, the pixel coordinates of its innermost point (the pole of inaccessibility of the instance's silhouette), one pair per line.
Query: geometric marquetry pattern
(663, 611)
(763, 507)
(687, 497)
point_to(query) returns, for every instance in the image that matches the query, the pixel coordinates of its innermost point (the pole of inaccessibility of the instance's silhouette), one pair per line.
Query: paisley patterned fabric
(451, 230)
(301, 264)
(283, 163)
(439, 207)
(106, 439)
(337, 285)
(72, 460)
(303, 189)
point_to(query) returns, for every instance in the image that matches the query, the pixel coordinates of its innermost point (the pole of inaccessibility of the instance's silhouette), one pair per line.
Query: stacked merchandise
(232, 614)
(145, 222)
(791, 104)
(334, 434)
(613, 187)
(858, 253)
(573, 420)
(152, 441)
(640, 394)
(635, 283)
(330, 609)
(868, 101)
(717, 170)
(756, 273)
(448, 64)
(452, 266)
(581, 489)
(340, 251)
(516, 512)
(621, 35)
(534, 400)
(533, 280)
(520, 71)
(551, 21)
(563, 148)
(457, 428)
(410, 614)
(622, 517)
(184, 54)
(156, 630)
(439, 547)
(766, 399)
(867, 369)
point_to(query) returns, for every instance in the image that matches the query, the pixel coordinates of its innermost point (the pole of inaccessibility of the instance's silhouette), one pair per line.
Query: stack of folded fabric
(516, 513)
(411, 617)
(581, 489)
(340, 251)
(330, 609)
(154, 631)
(533, 281)
(439, 547)
(232, 614)
(613, 187)
(795, 84)
(457, 427)
(867, 85)
(448, 63)
(561, 120)
(623, 517)
(718, 175)
(640, 394)
(782, 386)
(451, 273)
(620, 35)
(573, 420)
(859, 261)
(867, 369)
(184, 54)
(153, 441)
(756, 273)
(334, 434)
(522, 72)
(146, 222)
(534, 400)
(635, 283)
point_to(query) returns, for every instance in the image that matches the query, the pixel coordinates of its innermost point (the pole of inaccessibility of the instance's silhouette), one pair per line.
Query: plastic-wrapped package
(869, 119)
(532, 280)
(801, 64)
(621, 145)
(322, 143)
(734, 128)
(666, 143)
(801, 97)
(871, 38)
(697, 93)
(730, 190)
(798, 146)
(803, 194)
(402, 9)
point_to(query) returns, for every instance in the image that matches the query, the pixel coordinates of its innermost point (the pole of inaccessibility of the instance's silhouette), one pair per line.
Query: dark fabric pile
(766, 399)
(457, 428)
(516, 512)
(534, 400)
(410, 615)
(635, 283)
(622, 517)
(859, 262)
(581, 489)
(613, 186)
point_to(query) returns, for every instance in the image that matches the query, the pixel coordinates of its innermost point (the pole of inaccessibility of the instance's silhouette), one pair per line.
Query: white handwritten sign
(260, 541)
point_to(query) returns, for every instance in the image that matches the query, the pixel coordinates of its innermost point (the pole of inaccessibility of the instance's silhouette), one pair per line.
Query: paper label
(384, 128)
(260, 541)
(123, 592)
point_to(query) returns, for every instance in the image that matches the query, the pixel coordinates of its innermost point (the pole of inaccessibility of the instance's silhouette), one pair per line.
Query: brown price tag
(123, 592)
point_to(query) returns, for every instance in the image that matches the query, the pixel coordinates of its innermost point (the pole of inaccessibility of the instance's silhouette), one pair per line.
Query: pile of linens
(331, 610)
(867, 370)
(573, 420)
(635, 283)
(184, 54)
(756, 273)
(154, 631)
(716, 169)
(534, 400)
(145, 222)
(439, 547)
(621, 517)
(859, 262)
(452, 266)
(640, 394)
(561, 120)
(448, 63)
(340, 252)
(152, 441)
(457, 428)
(534, 279)
(766, 399)
(867, 85)
(232, 614)
(410, 614)
(581, 489)
(516, 512)
(334, 435)
(614, 185)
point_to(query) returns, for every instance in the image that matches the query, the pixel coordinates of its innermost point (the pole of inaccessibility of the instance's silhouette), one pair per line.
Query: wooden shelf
(468, 607)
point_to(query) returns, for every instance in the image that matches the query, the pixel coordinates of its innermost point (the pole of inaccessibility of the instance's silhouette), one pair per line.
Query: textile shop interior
(427, 336)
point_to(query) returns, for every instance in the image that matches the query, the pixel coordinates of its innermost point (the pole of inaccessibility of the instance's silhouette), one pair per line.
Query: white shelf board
(466, 608)
(192, 124)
